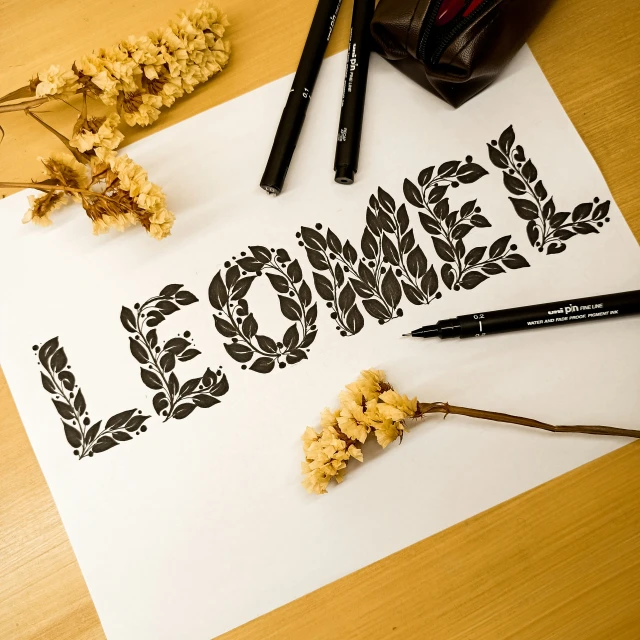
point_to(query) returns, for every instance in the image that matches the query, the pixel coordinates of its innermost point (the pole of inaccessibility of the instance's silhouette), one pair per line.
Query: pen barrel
(565, 312)
(295, 110)
(354, 91)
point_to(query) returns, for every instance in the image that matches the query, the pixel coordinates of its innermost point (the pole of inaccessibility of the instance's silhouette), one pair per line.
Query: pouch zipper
(450, 34)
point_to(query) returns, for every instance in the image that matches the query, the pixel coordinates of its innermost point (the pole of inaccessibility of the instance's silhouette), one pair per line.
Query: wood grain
(560, 562)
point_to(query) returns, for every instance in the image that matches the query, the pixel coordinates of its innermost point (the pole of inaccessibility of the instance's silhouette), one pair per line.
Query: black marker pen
(553, 314)
(353, 94)
(295, 110)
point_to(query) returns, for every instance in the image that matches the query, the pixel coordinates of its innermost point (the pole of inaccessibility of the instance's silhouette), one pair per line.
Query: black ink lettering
(463, 268)
(234, 320)
(547, 229)
(158, 359)
(69, 401)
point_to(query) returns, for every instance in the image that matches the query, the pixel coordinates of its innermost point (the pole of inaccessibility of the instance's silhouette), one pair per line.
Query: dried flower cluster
(138, 76)
(367, 405)
(370, 404)
(115, 193)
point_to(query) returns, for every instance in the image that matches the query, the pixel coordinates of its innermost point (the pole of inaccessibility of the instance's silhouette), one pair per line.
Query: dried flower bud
(91, 132)
(66, 170)
(55, 82)
(42, 207)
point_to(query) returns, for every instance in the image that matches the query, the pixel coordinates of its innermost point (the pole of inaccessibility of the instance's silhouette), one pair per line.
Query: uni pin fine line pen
(295, 110)
(353, 94)
(552, 314)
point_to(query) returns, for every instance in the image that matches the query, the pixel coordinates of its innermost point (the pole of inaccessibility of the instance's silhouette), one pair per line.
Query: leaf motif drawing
(291, 337)
(103, 444)
(391, 263)
(376, 309)
(444, 250)
(424, 176)
(151, 379)
(170, 290)
(59, 360)
(47, 383)
(404, 264)
(354, 320)
(338, 287)
(470, 172)
(138, 351)
(515, 261)
(262, 254)
(449, 227)
(391, 254)
(79, 403)
(289, 308)
(526, 209)
(514, 185)
(391, 291)
(546, 230)
(412, 194)
(185, 409)
(263, 365)
(185, 298)
(472, 279)
(159, 359)
(369, 245)
(323, 286)
(234, 320)
(498, 248)
(128, 319)
(71, 406)
(218, 294)
(507, 138)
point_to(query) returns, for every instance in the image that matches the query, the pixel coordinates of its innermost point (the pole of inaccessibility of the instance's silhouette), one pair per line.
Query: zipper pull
(449, 9)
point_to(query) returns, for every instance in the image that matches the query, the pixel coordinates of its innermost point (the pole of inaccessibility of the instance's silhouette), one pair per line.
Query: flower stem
(44, 187)
(65, 141)
(22, 92)
(40, 186)
(444, 407)
(21, 106)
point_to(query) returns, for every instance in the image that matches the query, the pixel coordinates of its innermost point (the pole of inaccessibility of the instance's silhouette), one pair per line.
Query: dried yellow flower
(55, 82)
(369, 386)
(142, 74)
(66, 170)
(388, 431)
(354, 452)
(107, 221)
(329, 418)
(326, 457)
(139, 76)
(90, 133)
(397, 407)
(367, 405)
(139, 108)
(42, 207)
(147, 196)
(353, 423)
(328, 452)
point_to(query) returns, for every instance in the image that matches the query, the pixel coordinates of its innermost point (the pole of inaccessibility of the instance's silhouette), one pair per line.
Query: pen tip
(406, 335)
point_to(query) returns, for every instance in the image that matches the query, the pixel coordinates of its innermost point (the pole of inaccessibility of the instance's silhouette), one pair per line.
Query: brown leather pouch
(454, 48)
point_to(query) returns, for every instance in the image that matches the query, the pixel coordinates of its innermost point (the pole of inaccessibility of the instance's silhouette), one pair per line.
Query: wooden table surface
(560, 562)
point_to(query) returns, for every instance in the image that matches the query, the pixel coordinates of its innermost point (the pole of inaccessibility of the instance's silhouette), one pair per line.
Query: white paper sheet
(198, 525)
